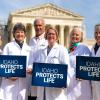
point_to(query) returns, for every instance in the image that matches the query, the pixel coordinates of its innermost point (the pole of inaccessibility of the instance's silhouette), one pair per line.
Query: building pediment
(47, 10)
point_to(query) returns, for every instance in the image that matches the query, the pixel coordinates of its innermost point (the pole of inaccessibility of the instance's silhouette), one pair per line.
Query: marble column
(28, 31)
(11, 32)
(61, 35)
(33, 31)
(68, 36)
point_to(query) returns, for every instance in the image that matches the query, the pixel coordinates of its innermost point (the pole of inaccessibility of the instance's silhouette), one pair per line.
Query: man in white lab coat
(36, 43)
(96, 53)
(14, 88)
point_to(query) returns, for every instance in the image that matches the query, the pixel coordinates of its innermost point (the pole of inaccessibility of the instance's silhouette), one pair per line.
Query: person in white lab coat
(14, 88)
(53, 53)
(0, 44)
(78, 89)
(36, 43)
(0, 53)
(95, 52)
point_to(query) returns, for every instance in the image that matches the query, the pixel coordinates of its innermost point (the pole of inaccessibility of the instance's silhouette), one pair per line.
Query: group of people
(44, 48)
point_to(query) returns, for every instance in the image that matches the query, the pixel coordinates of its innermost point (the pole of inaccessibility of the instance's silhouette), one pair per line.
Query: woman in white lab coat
(14, 88)
(96, 53)
(53, 53)
(77, 89)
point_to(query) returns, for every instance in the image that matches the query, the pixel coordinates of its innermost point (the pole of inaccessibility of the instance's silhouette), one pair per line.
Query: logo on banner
(51, 75)
(88, 68)
(10, 65)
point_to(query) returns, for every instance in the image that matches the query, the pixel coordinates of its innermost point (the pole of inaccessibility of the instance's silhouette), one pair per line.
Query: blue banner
(49, 75)
(12, 66)
(88, 68)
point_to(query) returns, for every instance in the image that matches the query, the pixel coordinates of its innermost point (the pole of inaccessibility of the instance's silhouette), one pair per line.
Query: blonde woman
(77, 89)
(55, 54)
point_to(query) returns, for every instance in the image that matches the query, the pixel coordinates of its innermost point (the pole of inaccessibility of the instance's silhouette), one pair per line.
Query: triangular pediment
(47, 10)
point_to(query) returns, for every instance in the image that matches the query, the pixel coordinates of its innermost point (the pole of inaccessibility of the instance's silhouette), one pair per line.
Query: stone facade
(63, 20)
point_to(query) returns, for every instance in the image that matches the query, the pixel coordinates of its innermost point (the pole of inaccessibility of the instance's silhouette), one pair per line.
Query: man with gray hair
(36, 43)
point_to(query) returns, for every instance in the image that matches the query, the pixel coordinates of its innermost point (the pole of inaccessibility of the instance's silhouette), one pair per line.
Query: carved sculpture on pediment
(48, 11)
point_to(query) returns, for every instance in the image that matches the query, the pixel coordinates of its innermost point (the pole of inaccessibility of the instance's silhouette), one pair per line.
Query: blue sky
(89, 9)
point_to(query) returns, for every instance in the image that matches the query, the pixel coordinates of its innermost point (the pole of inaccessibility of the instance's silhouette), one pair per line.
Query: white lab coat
(57, 55)
(15, 90)
(95, 84)
(78, 90)
(35, 45)
(38, 43)
(0, 77)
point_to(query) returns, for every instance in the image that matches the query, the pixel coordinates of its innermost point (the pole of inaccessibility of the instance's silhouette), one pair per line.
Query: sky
(89, 9)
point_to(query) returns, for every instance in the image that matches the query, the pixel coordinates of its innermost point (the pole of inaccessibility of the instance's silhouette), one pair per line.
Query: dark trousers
(31, 98)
